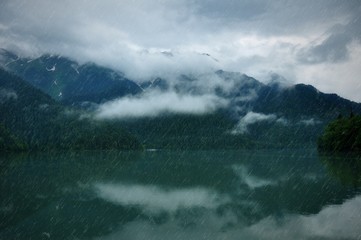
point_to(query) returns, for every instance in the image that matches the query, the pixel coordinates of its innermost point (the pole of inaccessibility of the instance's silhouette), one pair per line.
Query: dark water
(179, 195)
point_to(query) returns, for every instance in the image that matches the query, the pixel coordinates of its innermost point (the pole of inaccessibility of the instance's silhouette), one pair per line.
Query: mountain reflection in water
(287, 194)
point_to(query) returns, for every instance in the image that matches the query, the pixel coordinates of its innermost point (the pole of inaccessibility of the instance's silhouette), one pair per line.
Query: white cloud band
(156, 103)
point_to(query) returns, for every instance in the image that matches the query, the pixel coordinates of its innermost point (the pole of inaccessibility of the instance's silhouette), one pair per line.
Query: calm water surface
(289, 194)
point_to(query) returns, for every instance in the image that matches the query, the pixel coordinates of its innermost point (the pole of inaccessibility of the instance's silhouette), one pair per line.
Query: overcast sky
(309, 41)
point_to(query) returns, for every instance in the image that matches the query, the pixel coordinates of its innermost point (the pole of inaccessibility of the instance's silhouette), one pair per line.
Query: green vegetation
(342, 135)
(213, 131)
(40, 123)
(182, 131)
(345, 168)
(70, 132)
(9, 142)
(40, 111)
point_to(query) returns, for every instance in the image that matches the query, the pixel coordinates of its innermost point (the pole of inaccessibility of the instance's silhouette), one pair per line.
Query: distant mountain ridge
(32, 120)
(67, 81)
(258, 114)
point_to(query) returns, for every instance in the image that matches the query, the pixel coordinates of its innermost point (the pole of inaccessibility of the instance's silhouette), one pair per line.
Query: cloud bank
(153, 104)
(310, 42)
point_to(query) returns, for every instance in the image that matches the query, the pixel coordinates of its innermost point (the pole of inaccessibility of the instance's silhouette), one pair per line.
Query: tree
(342, 135)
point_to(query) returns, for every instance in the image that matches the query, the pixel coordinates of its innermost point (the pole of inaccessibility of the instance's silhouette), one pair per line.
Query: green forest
(31, 120)
(342, 135)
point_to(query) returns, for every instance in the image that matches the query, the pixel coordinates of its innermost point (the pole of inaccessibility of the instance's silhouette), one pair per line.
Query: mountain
(302, 100)
(157, 83)
(30, 117)
(67, 81)
(257, 114)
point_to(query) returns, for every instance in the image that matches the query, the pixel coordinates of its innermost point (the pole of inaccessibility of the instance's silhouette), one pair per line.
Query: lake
(283, 194)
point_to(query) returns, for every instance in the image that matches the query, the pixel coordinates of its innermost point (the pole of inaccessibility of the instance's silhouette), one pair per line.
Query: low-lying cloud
(252, 118)
(154, 199)
(154, 103)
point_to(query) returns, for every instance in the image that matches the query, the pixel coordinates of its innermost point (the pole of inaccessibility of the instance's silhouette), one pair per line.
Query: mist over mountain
(180, 119)
(208, 109)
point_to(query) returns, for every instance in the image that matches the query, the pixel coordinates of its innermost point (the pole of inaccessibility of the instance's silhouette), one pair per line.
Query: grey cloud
(54, 26)
(253, 37)
(240, 10)
(335, 48)
(267, 17)
(111, 33)
(50, 25)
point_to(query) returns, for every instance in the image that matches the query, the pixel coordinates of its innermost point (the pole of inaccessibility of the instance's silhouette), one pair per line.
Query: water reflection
(346, 168)
(174, 194)
(332, 222)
